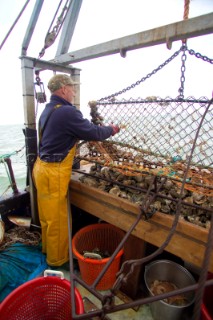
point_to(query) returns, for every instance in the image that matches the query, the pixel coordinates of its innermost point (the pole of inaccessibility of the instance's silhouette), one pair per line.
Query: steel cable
(13, 25)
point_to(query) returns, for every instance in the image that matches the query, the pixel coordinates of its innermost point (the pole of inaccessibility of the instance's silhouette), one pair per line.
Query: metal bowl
(166, 270)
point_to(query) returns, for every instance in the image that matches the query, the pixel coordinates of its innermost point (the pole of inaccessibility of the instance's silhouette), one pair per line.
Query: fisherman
(61, 125)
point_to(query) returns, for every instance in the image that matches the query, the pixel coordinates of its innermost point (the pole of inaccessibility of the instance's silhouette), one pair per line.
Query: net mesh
(156, 137)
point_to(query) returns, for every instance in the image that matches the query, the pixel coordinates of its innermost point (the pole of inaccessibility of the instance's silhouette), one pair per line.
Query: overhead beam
(41, 65)
(185, 29)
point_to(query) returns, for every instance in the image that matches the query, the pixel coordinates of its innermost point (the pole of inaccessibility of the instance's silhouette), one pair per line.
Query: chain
(39, 90)
(144, 78)
(183, 66)
(183, 69)
(200, 56)
(52, 35)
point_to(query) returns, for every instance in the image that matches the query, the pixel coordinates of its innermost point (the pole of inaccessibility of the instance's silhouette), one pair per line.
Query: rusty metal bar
(12, 177)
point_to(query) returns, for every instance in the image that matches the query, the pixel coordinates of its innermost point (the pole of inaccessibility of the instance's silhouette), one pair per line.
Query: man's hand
(115, 129)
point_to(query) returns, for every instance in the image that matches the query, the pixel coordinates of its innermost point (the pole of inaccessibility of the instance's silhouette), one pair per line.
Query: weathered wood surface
(188, 242)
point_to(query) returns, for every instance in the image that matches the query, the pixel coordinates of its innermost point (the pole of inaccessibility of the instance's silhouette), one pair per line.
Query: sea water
(12, 145)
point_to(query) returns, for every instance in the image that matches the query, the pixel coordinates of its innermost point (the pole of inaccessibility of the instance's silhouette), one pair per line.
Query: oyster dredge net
(167, 141)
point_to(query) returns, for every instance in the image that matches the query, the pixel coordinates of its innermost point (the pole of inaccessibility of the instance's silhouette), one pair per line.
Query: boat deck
(91, 303)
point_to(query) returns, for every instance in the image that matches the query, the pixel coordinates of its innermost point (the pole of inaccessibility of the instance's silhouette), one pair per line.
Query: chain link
(200, 56)
(183, 69)
(183, 66)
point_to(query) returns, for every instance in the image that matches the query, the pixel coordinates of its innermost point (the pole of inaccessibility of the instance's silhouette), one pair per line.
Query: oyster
(199, 198)
(168, 185)
(175, 192)
(195, 206)
(156, 205)
(120, 177)
(137, 198)
(189, 200)
(89, 181)
(139, 179)
(105, 171)
(165, 208)
(115, 190)
(125, 195)
(101, 187)
(141, 185)
(129, 182)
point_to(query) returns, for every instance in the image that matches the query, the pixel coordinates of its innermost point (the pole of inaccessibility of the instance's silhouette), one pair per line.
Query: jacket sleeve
(83, 129)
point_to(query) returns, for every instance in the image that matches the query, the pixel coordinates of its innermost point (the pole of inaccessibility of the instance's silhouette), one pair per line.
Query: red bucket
(46, 298)
(207, 307)
(105, 237)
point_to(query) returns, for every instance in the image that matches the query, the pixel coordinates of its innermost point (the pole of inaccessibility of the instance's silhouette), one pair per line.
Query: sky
(100, 21)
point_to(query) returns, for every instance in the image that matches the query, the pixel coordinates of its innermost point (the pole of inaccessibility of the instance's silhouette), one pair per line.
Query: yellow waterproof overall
(51, 181)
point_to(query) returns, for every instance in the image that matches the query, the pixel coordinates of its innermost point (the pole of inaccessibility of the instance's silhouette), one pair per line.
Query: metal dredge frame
(107, 300)
(157, 134)
(170, 138)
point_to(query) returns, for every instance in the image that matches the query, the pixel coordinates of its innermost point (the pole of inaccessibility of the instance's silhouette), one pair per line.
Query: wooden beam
(185, 29)
(188, 243)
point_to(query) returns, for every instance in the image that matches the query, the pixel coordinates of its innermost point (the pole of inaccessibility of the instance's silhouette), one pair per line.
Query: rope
(13, 25)
(20, 235)
(186, 15)
(186, 9)
(5, 191)
(8, 155)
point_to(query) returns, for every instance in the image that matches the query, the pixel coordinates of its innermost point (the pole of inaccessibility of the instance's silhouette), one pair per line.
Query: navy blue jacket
(64, 128)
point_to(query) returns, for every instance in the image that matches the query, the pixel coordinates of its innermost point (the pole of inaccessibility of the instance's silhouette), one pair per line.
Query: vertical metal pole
(28, 92)
(75, 74)
(69, 27)
(30, 131)
(31, 26)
